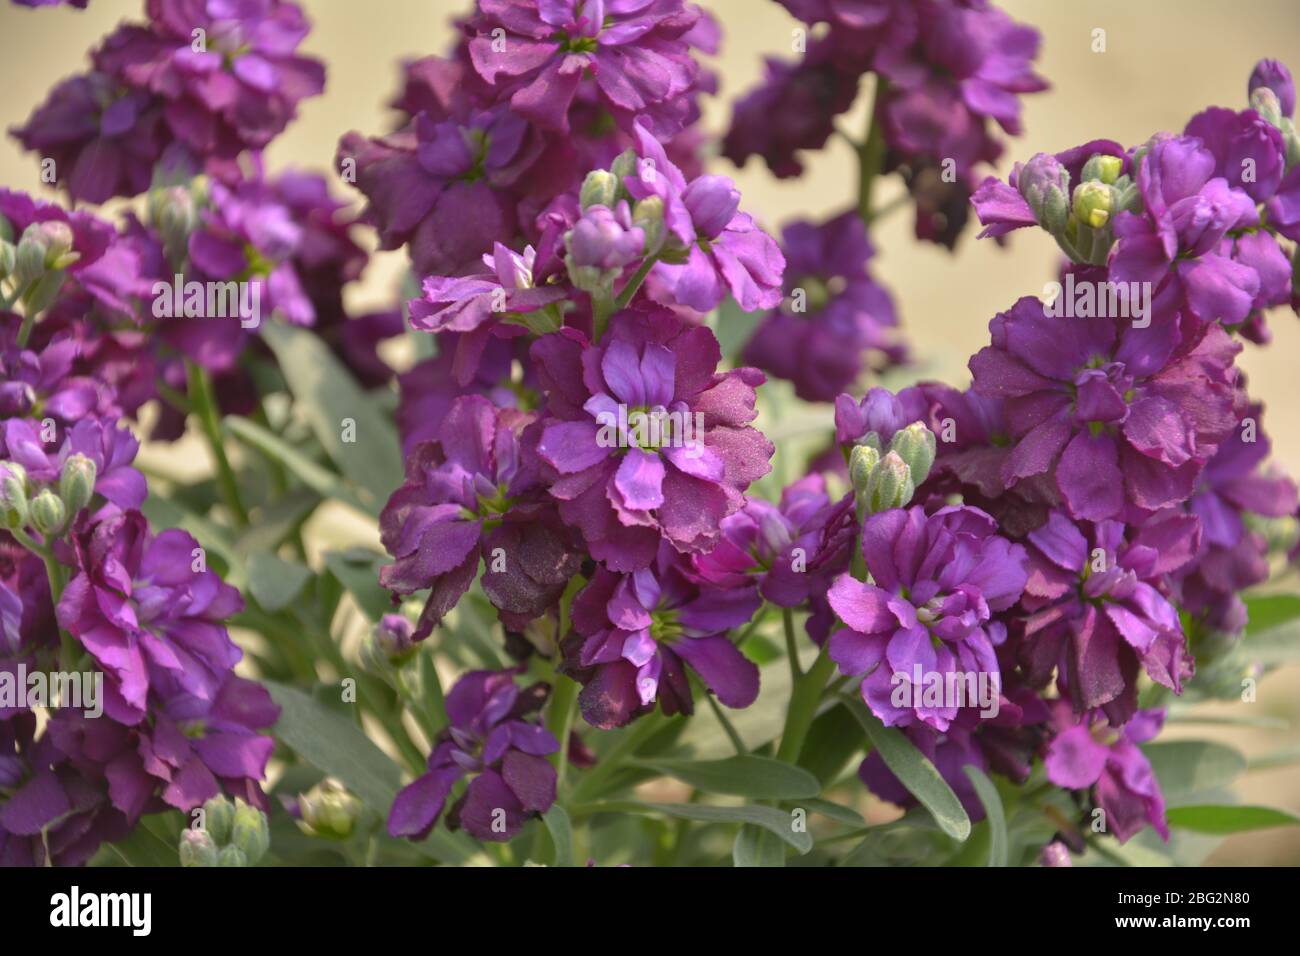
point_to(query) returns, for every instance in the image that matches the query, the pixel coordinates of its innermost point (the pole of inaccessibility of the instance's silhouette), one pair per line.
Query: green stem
(25, 330)
(791, 645)
(804, 699)
(559, 721)
(727, 727)
(634, 283)
(204, 402)
(69, 650)
(611, 761)
(871, 154)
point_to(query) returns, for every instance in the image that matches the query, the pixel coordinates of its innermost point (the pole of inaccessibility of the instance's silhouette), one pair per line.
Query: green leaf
(1187, 767)
(561, 831)
(337, 747)
(755, 846)
(275, 583)
(327, 395)
(834, 811)
(1267, 611)
(315, 476)
(777, 822)
(916, 773)
(276, 521)
(761, 778)
(358, 570)
(993, 814)
(1220, 820)
(733, 326)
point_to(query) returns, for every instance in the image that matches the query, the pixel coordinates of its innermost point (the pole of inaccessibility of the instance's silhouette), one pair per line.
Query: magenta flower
(632, 51)
(635, 635)
(723, 249)
(1086, 754)
(1098, 611)
(940, 582)
(492, 740)
(1108, 405)
(880, 411)
(110, 447)
(646, 438)
(147, 616)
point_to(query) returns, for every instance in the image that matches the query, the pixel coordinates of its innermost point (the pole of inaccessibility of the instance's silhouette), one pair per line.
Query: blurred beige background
(1164, 60)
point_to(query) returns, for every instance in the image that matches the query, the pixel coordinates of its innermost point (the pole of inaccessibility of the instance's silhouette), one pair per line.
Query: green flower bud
(328, 810)
(8, 258)
(232, 856)
(1103, 168)
(1093, 202)
(29, 261)
(13, 495)
(916, 445)
(625, 165)
(197, 848)
(863, 460)
(77, 482)
(1265, 102)
(649, 215)
(218, 818)
(1045, 184)
(600, 188)
(890, 485)
(250, 832)
(49, 514)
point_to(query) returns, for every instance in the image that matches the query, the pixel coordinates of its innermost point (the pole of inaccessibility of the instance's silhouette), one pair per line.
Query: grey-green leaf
(761, 778)
(274, 582)
(755, 846)
(1187, 767)
(777, 822)
(993, 814)
(916, 773)
(561, 831)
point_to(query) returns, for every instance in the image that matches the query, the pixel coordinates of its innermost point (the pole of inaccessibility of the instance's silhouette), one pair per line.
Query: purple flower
(1086, 753)
(1121, 412)
(42, 378)
(635, 635)
(462, 498)
(717, 249)
(110, 447)
(106, 136)
(646, 438)
(833, 316)
(605, 238)
(239, 91)
(880, 411)
(1005, 207)
(477, 305)
(491, 740)
(429, 388)
(633, 52)
(146, 616)
(772, 547)
(1098, 611)
(1174, 245)
(940, 582)
(1275, 76)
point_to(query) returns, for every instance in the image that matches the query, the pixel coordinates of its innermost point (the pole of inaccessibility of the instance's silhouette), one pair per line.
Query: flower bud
(1055, 854)
(648, 216)
(392, 636)
(890, 485)
(77, 482)
(863, 460)
(1274, 76)
(916, 445)
(605, 239)
(218, 817)
(600, 188)
(48, 513)
(1093, 202)
(232, 856)
(8, 258)
(1045, 184)
(1103, 168)
(712, 202)
(1265, 102)
(29, 261)
(14, 508)
(328, 810)
(197, 848)
(249, 832)
(624, 165)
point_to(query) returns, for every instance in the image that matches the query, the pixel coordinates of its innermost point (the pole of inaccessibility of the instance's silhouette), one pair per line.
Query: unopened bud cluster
(888, 478)
(1081, 219)
(49, 510)
(232, 834)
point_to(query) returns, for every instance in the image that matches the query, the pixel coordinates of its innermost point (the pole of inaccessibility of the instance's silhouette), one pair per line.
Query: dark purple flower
(428, 389)
(835, 320)
(239, 90)
(1087, 753)
(42, 378)
(880, 411)
(1098, 610)
(940, 583)
(491, 740)
(635, 635)
(1122, 412)
(647, 438)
